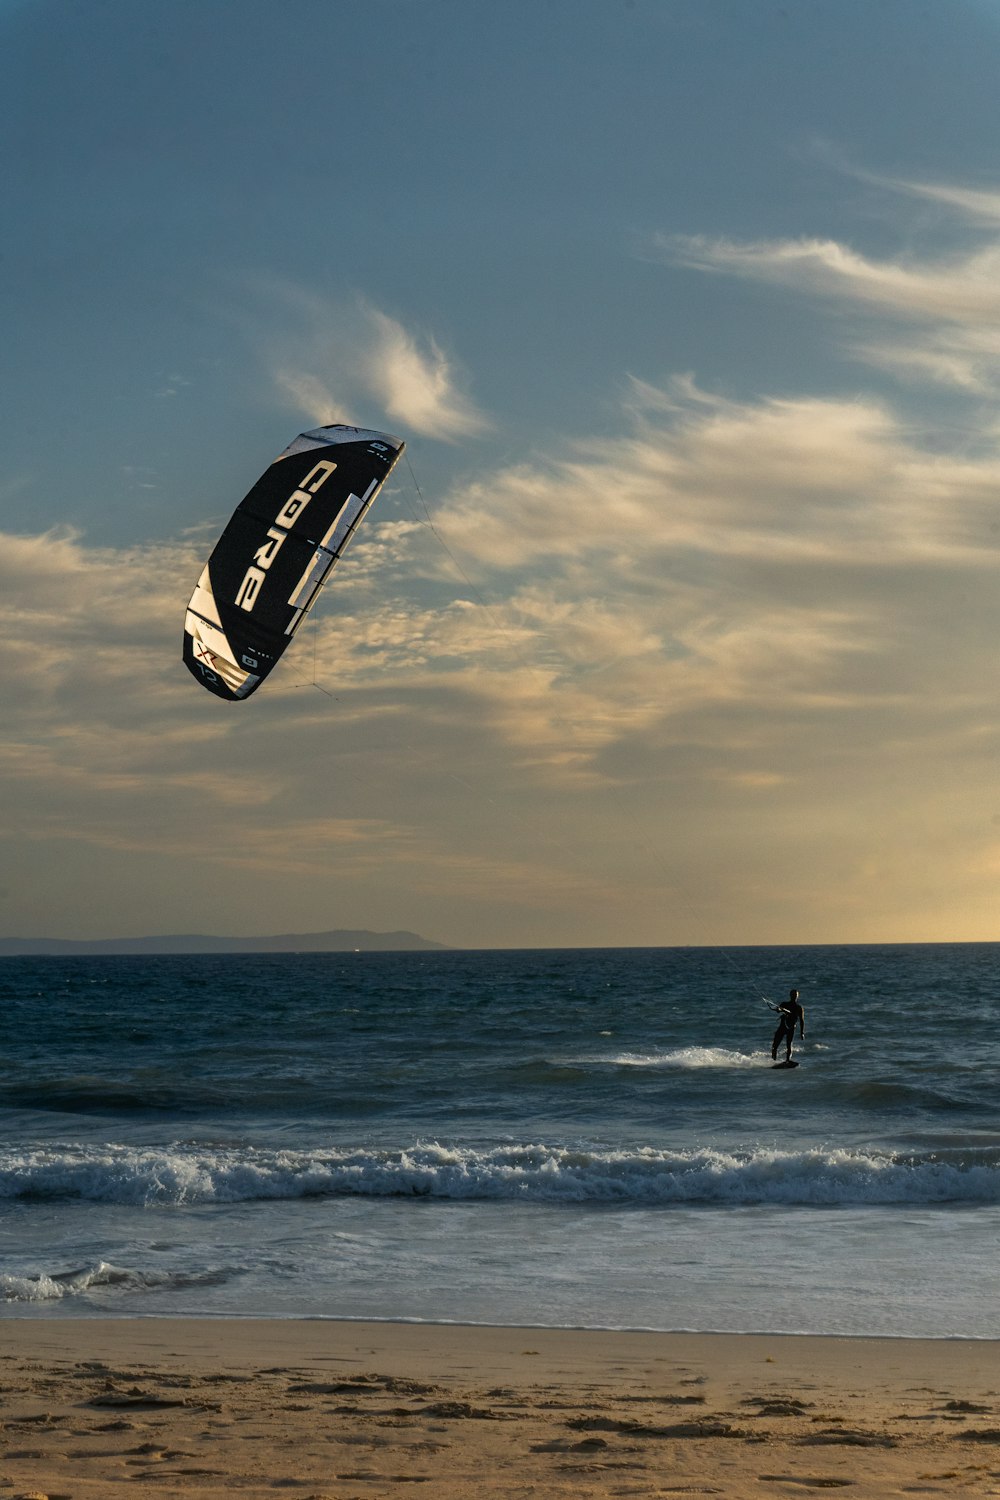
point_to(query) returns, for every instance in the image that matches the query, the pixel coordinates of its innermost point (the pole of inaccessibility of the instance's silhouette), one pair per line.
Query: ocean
(586, 1138)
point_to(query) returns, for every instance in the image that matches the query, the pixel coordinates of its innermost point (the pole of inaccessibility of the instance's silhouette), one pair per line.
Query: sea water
(588, 1138)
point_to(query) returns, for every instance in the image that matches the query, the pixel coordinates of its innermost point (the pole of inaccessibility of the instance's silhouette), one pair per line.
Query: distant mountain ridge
(341, 941)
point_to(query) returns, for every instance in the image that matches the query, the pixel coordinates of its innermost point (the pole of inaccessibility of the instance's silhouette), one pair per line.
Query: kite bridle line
(426, 522)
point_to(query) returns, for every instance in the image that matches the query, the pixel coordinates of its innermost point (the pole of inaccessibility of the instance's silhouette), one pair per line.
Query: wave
(59, 1285)
(882, 1097)
(183, 1174)
(154, 1093)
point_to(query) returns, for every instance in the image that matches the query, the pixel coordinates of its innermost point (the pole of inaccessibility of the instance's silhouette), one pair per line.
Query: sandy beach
(357, 1411)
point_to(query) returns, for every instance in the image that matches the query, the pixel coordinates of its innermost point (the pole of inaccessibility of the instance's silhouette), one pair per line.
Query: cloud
(342, 361)
(698, 649)
(804, 480)
(960, 288)
(417, 386)
(714, 560)
(112, 755)
(951, 301)
(310, 393)
(974, 205)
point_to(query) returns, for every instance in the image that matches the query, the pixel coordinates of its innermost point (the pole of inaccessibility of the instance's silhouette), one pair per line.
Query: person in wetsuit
(792, 1015)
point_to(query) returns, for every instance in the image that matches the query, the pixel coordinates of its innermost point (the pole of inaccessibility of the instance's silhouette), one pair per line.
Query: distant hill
(345, 941)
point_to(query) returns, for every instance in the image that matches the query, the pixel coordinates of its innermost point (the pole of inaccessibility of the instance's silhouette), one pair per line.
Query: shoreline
(46, 1315)
(336, 1409)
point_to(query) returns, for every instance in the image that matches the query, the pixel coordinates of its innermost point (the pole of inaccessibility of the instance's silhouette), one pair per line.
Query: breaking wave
(60, 1285)
(188, 1174)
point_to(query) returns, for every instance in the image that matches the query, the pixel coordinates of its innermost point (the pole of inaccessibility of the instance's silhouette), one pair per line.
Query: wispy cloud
(418, 385)
(337, 361)
(960, 288)
(973, 205)
(950, 301)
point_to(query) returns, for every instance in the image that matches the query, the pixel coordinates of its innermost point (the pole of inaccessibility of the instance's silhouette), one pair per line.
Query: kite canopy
(274, 556)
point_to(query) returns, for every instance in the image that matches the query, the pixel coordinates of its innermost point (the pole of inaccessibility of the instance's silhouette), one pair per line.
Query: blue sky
(688, 312)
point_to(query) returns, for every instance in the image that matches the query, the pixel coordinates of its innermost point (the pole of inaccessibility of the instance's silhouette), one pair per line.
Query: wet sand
(356, 1411)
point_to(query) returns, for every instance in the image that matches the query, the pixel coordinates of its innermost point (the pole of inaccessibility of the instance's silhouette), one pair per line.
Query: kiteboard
(274, 555)
(791, 1063)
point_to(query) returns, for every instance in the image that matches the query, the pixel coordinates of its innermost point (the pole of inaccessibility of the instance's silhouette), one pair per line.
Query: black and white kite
(274, 556)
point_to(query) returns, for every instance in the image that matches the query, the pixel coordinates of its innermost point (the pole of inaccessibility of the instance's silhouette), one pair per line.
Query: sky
(676, 624)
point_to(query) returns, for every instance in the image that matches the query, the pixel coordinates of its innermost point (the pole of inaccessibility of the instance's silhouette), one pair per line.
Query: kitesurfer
(792, 1015)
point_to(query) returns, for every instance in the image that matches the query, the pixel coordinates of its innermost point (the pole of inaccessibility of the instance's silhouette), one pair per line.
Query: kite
(277, 551)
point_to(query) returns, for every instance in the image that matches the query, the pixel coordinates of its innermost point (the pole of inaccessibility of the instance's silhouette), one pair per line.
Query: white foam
(186, 1174)
(692, 1057)
(55, 1286)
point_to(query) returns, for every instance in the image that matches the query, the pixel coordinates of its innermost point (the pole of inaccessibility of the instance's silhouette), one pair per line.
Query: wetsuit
(792, 1015)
